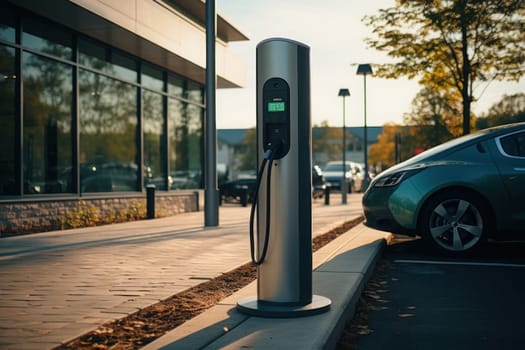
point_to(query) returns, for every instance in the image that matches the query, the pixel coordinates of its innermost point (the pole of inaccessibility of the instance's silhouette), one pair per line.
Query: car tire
(455, 222)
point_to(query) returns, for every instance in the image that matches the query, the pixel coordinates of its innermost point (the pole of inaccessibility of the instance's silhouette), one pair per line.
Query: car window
(336, 167)
(513, 145)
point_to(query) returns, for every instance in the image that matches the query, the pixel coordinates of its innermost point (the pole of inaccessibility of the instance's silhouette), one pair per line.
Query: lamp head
(364, 69)
(344, 92)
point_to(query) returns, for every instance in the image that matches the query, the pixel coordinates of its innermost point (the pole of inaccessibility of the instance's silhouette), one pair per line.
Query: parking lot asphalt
(59, 285)
(425, 300)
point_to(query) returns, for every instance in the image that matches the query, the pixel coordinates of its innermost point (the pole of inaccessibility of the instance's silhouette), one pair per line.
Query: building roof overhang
(196, 10)
(73, 14)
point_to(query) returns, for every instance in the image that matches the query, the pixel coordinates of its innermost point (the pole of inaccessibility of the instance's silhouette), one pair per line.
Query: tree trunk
(465, 70)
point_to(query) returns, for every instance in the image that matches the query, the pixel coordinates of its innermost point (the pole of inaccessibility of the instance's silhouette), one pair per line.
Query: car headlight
(396, 178)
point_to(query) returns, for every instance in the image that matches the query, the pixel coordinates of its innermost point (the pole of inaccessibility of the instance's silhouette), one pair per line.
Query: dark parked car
(240, 190)
(236, 190)
(457, 194)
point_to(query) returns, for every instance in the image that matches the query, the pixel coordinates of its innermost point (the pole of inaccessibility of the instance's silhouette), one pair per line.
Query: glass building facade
(80, 117)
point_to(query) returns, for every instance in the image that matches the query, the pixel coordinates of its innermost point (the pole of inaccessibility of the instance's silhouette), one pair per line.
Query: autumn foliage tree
(383, 152)
(397, 143)
(452, 45)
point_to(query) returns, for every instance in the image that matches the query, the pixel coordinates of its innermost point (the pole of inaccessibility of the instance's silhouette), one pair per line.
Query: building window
(175, 86)
(41, 36)
(194, 93)
(151, 78)
(108, 131)
(44, 116)
(154, 140)
(102, 58)
(47, 139)
(7, 24)
(185, 135)
(8, 159)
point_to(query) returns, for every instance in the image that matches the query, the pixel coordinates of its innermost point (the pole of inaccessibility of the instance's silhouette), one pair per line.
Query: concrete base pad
(252, 306)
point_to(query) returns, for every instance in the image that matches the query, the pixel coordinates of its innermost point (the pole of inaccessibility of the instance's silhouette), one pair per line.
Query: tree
(383, 152)
(435, 113)
(452, 44)
(397, 143)
(511, 109)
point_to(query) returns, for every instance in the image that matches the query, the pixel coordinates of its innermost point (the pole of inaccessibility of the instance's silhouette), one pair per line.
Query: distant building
(101, 98)
(231, 142)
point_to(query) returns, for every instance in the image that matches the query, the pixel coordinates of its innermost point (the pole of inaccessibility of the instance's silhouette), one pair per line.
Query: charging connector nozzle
(273, 149)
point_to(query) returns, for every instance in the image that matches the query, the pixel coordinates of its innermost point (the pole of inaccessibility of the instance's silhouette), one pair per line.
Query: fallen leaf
(373, 295)
(364, 330)
(377, 308)
(104, 330)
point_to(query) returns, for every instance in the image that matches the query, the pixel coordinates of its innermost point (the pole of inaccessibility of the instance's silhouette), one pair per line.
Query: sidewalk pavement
(59, 285)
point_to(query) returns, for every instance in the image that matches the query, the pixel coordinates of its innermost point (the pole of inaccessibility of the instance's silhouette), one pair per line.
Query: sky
(335, 34)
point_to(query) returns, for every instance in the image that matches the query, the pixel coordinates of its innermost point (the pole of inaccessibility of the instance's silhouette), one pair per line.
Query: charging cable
(269, 156)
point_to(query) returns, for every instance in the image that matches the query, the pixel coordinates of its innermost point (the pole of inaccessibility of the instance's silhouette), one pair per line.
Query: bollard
(327, 195)
(197, 199)
(150, 201)
(244, 196)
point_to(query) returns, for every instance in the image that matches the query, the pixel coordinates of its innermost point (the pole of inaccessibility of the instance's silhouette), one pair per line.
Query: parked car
(238, 190)
(354, 174)
(457, 194)
(235, 190)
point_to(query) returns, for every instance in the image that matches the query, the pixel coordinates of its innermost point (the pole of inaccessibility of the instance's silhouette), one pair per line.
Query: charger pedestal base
(254, 307)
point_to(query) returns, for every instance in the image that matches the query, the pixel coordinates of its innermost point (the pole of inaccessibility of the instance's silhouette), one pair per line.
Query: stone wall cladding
(39, 215)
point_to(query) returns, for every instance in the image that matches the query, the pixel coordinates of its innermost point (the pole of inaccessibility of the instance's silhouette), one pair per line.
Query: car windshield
(336, 167)
(447, 145)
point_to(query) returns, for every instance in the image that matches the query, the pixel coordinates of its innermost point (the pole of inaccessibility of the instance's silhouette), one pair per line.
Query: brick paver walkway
(58, 285)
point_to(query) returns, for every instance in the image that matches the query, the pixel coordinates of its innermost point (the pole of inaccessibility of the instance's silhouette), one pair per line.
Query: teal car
(455, 195)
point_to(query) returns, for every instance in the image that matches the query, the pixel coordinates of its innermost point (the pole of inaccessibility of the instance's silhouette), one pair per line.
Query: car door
(511, 164)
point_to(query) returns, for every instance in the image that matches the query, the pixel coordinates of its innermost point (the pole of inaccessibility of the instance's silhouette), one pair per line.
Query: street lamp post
(364, 69)
(211, 193)
(344, 189)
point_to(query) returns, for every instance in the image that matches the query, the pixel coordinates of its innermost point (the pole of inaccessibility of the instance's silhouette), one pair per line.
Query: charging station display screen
(276, 106)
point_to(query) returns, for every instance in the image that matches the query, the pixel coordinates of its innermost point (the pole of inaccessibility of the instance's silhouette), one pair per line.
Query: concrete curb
(341, 269)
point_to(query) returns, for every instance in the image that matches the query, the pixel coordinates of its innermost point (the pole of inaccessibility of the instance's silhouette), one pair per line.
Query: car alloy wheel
(454, 222)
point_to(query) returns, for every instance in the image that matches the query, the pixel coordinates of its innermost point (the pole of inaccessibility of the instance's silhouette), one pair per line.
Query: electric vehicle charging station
(281, 244)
